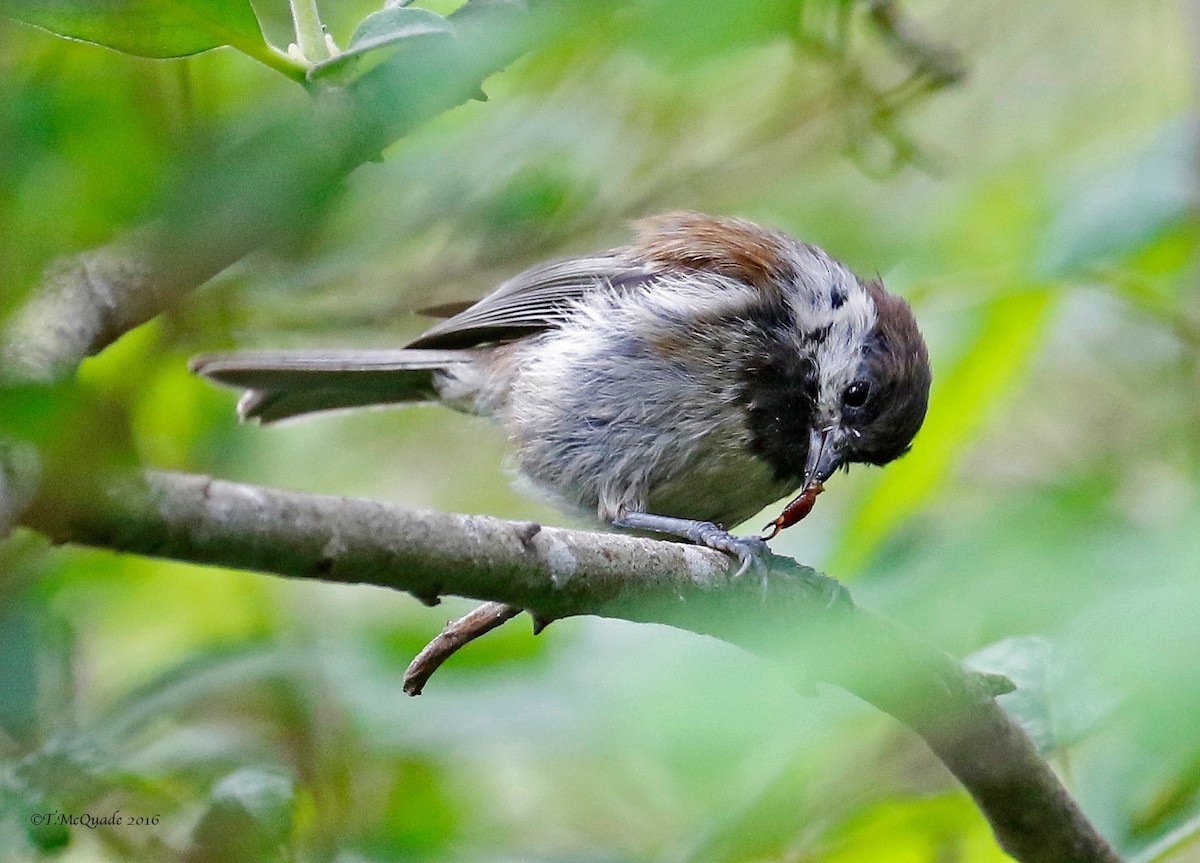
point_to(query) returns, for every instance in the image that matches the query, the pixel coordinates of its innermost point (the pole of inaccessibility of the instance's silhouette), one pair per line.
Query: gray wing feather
(283, 384)
(267, 369)
(539, 298)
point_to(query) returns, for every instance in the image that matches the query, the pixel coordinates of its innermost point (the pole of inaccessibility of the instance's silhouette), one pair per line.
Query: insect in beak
(824, 457)
(795, 511)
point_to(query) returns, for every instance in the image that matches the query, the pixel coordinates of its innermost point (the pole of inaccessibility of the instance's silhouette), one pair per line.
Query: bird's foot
(751, 552)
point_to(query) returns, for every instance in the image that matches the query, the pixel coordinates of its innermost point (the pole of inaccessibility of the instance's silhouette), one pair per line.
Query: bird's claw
(751, 551)
(753, 554)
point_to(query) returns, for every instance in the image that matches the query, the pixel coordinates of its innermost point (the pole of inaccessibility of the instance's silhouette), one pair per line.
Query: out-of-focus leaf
(804, 788)
(961, 400)
(1175, 842)
(695, 31)
(146, 28)
(249, 818)
(911, 831)
(1154, 277)
(388, 28)
(43, 833)
(1115, 215)
(175, 415)
(35, 413)
(1055, 701)
(66, 775)
(19, 677)
(416, 812)
(19, 469)
(196, 683)
(70, 424)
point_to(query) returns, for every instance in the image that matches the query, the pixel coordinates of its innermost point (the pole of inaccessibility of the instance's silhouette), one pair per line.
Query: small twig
(940, 64)
(456, 634)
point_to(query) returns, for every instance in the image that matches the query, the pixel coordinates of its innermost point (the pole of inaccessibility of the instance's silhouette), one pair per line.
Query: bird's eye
(856, 394)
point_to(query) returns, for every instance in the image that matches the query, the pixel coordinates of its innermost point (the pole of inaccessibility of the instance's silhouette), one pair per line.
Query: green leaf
(249, 817)
(19, 668)
(146, 28)
(684, 33)
(389, 28)
(941, 827)
(1172, 845)
(1056, 701)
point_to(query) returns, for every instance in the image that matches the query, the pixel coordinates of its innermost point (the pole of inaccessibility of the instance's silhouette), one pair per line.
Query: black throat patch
(779, 392)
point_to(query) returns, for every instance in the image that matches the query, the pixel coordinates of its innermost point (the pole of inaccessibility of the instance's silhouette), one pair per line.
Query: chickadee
(676, 385)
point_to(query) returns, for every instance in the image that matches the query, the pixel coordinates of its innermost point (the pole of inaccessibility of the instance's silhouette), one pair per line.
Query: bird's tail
(282, 384)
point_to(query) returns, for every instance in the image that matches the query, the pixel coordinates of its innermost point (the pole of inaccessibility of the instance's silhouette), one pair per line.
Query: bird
(676, 385)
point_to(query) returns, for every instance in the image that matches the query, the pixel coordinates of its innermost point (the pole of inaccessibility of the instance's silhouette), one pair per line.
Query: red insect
(795, 511)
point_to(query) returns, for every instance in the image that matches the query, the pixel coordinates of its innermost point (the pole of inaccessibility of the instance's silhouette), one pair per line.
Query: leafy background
(1040, 213)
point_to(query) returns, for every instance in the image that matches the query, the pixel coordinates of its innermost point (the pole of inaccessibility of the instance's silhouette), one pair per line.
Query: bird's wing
(540, 298)
(535, 300)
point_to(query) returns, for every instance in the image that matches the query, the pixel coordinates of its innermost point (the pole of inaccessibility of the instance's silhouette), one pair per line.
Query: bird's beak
(824, 456)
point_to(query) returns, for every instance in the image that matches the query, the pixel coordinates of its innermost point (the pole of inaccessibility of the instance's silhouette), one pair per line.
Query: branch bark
(803, 619)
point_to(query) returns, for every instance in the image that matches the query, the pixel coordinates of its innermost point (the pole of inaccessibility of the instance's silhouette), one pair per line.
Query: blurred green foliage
(145, 28)
(1040, 213)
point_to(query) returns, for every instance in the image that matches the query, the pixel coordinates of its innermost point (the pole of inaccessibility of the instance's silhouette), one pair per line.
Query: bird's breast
(725, 487)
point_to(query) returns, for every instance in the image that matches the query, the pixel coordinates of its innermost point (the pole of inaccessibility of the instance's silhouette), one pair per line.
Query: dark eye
(856, 394)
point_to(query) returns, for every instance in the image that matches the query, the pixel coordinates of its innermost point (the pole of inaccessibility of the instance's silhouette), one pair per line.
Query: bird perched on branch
(676, 385)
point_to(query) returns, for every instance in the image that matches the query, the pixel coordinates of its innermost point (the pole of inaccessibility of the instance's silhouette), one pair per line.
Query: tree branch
(940, 64)
(455, 635)
(803, 619)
